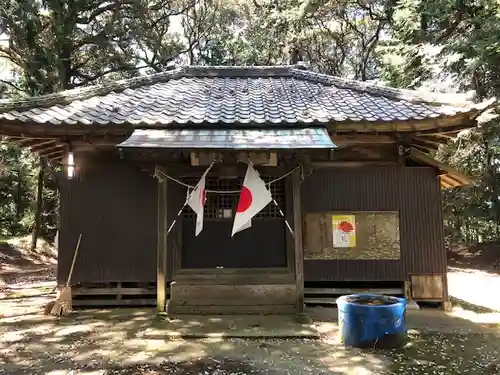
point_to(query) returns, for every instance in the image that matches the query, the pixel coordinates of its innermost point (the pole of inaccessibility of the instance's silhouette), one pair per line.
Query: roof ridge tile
(412, 96)
(186, 71)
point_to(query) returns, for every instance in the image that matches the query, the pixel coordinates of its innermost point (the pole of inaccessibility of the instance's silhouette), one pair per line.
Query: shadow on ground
(104, 339)
(113, 341)
(197, 367)
(438, 343)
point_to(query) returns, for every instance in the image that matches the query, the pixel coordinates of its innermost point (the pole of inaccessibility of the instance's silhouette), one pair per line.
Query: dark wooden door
(263, 245)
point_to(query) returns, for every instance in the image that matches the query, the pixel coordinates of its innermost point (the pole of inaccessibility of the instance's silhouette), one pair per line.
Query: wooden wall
(413, 191)
(113, 203)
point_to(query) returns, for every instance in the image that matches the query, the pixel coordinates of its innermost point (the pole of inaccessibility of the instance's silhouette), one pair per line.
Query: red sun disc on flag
(203, 197)
(346, 227)
(245, 200)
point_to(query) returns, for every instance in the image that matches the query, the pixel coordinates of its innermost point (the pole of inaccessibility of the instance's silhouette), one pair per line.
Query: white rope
(158, 173)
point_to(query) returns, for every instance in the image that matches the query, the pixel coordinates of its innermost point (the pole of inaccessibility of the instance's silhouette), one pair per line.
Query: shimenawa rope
(159, 173)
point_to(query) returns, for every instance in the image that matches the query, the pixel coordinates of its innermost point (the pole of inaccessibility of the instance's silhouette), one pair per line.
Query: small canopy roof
(240, 139)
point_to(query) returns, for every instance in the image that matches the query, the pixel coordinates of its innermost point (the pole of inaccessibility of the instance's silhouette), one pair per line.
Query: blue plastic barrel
(363, 323)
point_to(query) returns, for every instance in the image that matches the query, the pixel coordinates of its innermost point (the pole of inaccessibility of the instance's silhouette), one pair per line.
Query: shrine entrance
(263, 245)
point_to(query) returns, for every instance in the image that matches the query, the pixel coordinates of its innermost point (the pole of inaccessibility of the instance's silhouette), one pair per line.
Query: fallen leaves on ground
(201, 367)
(432, 352)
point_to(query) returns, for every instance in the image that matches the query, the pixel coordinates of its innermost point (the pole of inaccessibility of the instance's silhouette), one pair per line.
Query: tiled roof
(230, 95)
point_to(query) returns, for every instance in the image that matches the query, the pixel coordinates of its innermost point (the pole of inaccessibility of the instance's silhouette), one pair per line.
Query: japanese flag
(254, 197)
(197, 202)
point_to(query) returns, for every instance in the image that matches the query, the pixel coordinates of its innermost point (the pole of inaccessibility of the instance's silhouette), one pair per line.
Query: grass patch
(44, 289)
(4, 239)
(15, 294)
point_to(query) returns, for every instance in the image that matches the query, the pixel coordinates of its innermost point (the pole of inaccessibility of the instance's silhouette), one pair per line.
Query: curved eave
(422, 128)
(448, 177)
(52, 149)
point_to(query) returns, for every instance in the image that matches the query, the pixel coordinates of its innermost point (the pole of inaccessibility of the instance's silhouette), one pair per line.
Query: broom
(63, 305)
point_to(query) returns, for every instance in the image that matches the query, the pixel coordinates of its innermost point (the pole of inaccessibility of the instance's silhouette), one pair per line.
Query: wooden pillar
(298, 246)
(447, 306)
(37, 225)
(161, 251)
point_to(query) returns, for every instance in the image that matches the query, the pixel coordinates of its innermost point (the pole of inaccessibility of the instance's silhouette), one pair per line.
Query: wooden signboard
(351, 235)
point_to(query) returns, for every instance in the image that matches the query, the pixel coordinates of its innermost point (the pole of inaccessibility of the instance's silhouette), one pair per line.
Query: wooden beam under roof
(53, 154)
(354, 139)
(431, 140)
(422, 149)
(444, 130)
(22, 142)
(436, 125)
(440, 137)
(48, 149)
(37, 143)
(428, 145)
(449, 177)
(42, 146)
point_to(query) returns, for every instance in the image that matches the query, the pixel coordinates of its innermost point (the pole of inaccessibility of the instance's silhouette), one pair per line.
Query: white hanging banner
(254, 196)
(247, 225)
(196, 200)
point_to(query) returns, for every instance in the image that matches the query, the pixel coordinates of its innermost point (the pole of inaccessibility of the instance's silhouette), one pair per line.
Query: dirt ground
(113, 342)
(484, 257)
(16, 256)
(464, 341)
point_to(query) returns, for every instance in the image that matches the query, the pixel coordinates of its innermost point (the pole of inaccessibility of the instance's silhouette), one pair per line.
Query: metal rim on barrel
(343, 300)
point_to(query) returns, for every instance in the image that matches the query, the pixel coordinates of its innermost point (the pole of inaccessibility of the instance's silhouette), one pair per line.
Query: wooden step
(345, 291)
(113, 302)
(230, 309)
(321, 301)
(328, 296)
(240, 295)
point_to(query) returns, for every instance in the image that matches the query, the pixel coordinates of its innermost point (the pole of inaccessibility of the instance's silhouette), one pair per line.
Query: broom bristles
(62, 305)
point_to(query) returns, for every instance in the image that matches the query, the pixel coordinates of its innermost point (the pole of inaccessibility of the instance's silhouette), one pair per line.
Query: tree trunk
(18, 203)
(39, 204)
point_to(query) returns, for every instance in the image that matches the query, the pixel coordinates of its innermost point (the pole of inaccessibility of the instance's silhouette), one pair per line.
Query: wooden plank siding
(113, 203)
(413, 191)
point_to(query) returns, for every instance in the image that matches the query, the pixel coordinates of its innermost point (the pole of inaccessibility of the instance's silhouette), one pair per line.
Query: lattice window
(223, 206)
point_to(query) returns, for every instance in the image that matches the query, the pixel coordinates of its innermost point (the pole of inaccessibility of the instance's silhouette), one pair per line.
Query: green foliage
(449, 46)
(17, 184)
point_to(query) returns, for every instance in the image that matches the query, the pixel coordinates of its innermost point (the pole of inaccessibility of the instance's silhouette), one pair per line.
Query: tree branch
(11, 55)
(451, 29)
(101, 10)
(14, 86)
(183, 10)
(369, 48)
(91, 78)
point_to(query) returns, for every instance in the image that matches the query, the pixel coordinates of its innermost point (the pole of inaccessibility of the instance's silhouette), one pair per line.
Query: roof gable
(232, 95)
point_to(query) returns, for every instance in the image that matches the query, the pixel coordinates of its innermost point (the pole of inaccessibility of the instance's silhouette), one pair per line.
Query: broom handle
(74, 260)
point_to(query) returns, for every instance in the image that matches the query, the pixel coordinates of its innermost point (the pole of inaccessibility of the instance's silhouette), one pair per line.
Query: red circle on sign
(245, 200)
(345, 227)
